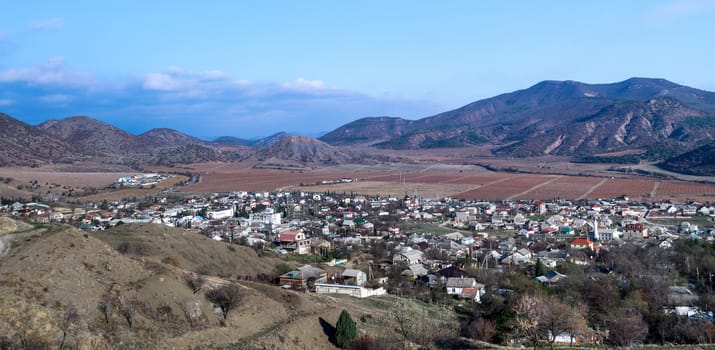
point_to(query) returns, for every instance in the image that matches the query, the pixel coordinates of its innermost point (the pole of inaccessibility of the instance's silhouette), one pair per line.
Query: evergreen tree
(540, 268)
(345, 330)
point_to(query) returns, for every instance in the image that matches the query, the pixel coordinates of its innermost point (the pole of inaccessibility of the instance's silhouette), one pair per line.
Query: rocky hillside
(91, 135)
(128, 288)
(190, 153)
(545, 110)
(270, 140)
(700, 161)
(163, 138)
(366, 130)
(23, 144)
(622, 126)
(305, 150)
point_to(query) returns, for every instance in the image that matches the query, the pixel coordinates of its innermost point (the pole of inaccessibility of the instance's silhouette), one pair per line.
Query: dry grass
(45, 272)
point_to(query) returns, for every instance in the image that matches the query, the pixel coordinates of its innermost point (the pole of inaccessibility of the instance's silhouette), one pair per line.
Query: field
(65, 178)
(463, 182)
(427, 179)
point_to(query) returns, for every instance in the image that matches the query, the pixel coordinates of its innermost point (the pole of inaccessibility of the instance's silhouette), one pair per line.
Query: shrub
(170, 260)
(345, 330)
(227, 297)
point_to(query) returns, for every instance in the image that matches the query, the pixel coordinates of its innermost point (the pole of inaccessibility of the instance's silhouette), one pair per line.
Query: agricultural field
(473, 185)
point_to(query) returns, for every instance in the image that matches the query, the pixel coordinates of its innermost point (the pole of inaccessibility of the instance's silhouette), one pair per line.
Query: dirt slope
(47, 272)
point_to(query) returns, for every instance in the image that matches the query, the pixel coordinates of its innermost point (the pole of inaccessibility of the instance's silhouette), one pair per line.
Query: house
(408, 256)
(291, 236)
(465, 287)
(635, 231)
(415, 271)
(295, 240)
(550, 278)
(354, 277)
(299, 278)
(582, 243)
(521, 256)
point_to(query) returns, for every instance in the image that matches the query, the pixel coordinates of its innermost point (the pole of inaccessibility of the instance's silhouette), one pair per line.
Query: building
(635, 231)
(465, 287)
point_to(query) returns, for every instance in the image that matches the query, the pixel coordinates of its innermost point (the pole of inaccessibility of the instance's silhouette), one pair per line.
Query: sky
(253, 68)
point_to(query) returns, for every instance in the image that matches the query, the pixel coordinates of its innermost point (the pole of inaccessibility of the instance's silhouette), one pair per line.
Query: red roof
(581, 241)
(288, 236)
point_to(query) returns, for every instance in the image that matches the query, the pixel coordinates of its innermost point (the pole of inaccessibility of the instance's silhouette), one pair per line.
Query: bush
(170, 260)
(227, 297)
(345, 330)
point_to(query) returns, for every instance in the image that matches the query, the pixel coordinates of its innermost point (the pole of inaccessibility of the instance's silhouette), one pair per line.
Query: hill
(304, 151)
(23, 144)
(165, 138)
(366, 130)
(91, 135)
(270, 140)
(127, 288)
(700, 161)
(543, 110)
(655, 123)
(232, 141)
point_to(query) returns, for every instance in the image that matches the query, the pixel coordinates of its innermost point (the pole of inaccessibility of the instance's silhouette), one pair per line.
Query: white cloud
(304, 85)
(59, 99)
(53, 72)
(161, 82)
(667, 13)
(178, 79)
(49, 24)
(6, 102)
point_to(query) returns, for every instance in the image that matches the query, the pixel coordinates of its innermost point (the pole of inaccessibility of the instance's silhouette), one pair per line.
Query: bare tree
(69, 323)
(626, 329)
(480, 329)
(530, 309)
(227, 297)
(540, 316)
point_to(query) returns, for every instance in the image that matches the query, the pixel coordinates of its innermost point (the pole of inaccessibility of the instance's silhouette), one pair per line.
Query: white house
(465, 287)
(354, 277)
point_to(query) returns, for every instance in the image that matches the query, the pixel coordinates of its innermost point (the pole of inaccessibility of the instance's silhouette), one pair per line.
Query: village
(444, 250)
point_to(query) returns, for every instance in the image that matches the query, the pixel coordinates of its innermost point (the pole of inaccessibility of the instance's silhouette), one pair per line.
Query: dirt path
(533, 188)
(654, 191)
(593, 188)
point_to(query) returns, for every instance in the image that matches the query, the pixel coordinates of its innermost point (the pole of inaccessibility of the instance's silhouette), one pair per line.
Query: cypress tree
(345, 330)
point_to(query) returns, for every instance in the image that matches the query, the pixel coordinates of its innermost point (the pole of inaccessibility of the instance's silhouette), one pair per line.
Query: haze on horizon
(251, 69)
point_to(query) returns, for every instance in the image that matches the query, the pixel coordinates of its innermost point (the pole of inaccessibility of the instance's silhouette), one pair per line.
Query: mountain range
(554, 117)
(655, 118)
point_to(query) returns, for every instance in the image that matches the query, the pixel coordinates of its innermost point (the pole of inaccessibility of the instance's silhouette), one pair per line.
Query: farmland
(474, 185)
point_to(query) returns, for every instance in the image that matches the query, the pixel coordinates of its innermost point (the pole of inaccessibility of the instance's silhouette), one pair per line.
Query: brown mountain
(157, 146)
(367, 130)
(526, 116)
(23, 144)
(163, 137)
(305, 150)
(622, 126)
(91, 135)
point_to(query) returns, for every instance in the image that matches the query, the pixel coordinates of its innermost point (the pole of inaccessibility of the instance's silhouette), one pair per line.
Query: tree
(345, 330)
(227, 297)
(540, 268)
(627, 329)
(480, 329)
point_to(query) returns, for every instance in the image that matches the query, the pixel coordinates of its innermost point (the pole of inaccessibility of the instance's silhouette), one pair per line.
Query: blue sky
(250, 69)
